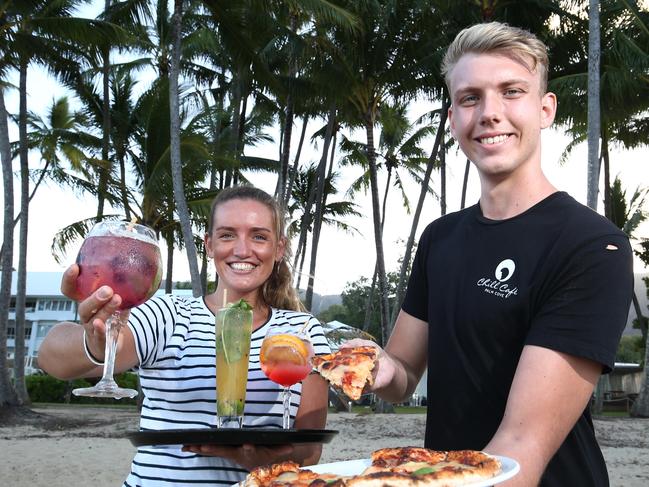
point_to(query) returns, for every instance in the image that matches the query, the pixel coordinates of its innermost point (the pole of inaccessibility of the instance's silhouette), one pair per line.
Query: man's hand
(385, 367)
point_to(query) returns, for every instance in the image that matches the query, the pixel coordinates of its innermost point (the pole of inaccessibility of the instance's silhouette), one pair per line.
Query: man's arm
(549, 392)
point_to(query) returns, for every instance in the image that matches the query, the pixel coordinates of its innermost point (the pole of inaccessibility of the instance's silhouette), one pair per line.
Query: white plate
(508, 468)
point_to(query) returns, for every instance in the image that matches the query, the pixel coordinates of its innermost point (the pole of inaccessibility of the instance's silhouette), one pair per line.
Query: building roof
(39, 283)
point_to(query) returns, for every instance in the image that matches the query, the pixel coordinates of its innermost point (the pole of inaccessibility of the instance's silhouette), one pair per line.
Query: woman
(170, 342)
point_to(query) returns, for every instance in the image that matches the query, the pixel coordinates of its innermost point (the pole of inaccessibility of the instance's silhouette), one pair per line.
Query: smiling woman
(171, 342)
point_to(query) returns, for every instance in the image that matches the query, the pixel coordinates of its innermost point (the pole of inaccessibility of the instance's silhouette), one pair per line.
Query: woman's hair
(278, 290)
(495, 37)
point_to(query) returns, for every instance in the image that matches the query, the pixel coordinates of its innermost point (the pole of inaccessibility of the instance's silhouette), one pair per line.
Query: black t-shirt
(557, 276)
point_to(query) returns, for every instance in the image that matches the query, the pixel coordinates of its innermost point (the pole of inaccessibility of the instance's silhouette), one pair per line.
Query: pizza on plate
(390, 467)
(348, 369)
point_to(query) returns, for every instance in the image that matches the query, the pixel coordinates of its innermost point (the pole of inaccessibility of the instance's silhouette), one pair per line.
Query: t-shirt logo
(499, 287)
(505, 270)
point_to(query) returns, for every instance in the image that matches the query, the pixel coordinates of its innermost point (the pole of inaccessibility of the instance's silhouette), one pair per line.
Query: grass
(614, 414)
(397, 409)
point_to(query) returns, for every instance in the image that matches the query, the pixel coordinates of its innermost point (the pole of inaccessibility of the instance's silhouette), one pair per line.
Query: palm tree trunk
(123, 187)
(401, 283)
(318, 197)
(296, 163)
(170, 261)
(8, 395)
(642, 321)
(640, 408)
(204, 276)
(607, 178)
(369, 304)
(104, 170)
(378, 234)
(176, 167)
(235, 109)
(21, 288)
(282, 178)
(465, 183)
(301, 268)
(442, 177)
(593, 102)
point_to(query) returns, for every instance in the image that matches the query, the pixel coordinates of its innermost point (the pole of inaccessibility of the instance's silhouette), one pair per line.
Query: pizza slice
(393, 467)
(289, 473)
(349, 369)
(416, 466)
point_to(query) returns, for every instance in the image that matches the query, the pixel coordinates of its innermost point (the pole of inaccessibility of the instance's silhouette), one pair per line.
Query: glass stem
(113, 326)
(286, 420)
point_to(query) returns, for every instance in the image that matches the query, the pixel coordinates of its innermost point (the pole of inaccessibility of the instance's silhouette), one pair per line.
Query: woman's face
(244, 246)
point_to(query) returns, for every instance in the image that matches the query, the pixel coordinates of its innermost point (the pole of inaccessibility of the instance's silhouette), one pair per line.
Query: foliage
(630, 350)
(354, 299)
(45, 388)
(335, 312)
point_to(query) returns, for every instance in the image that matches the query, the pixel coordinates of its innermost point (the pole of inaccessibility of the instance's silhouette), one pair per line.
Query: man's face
(497, 113)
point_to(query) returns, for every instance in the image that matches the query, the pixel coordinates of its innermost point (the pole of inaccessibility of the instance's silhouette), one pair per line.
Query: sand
(85, 446)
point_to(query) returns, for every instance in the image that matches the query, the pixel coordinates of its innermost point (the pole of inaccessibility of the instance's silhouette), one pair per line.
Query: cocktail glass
(233, 329)
(285, 358)
(126, 257)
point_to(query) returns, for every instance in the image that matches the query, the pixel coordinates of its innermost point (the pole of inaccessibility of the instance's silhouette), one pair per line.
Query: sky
(342, 257)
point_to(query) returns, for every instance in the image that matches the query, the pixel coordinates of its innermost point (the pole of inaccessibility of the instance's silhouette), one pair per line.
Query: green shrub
(630, 349)
(45, 388)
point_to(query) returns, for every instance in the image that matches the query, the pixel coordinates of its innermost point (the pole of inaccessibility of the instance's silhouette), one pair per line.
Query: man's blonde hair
(498, 38)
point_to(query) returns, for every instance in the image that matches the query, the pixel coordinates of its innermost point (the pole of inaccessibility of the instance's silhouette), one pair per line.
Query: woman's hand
(93, 311)
(248, 456)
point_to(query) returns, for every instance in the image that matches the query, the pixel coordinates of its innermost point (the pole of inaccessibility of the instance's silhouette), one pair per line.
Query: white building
(45, 306)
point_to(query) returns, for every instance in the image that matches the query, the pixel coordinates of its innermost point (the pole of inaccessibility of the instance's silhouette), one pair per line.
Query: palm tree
(378, 64)
(405, 263)
(624, 91)
(400, 153)
(628, 215)
(8, 395)
(176, 166)
(593, 102)
(333, 212)
(42, 32)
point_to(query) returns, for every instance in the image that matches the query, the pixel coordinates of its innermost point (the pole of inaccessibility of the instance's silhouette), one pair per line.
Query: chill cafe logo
(499, 286)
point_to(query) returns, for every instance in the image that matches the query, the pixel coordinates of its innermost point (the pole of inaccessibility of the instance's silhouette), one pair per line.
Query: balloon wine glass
(126, 257)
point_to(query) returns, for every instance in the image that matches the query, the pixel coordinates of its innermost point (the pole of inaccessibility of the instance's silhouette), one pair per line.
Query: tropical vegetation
(166, 101)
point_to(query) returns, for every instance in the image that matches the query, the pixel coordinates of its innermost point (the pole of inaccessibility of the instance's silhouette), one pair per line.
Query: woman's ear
(281, 248)
(208, 245)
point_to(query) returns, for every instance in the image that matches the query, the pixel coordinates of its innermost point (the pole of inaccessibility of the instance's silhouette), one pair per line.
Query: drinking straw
(306, 323)
(225, 297)
(131, 224)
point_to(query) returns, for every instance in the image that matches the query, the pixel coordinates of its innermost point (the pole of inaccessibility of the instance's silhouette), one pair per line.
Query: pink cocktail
(129, 265)
(126, 257)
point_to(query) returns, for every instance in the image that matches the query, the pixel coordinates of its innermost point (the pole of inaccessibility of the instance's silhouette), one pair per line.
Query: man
(515, 305)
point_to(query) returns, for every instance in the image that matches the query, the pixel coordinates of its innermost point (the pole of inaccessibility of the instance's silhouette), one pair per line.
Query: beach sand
(85, 446)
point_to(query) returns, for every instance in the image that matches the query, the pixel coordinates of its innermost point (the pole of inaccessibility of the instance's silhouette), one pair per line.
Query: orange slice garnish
(284, 348)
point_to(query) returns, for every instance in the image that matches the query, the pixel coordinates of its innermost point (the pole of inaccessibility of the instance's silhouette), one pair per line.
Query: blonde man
(516, 304)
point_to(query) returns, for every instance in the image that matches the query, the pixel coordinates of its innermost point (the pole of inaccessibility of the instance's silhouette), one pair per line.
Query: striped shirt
(174, 339)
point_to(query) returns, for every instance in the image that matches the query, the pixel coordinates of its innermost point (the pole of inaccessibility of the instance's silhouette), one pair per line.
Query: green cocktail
(233, 329)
